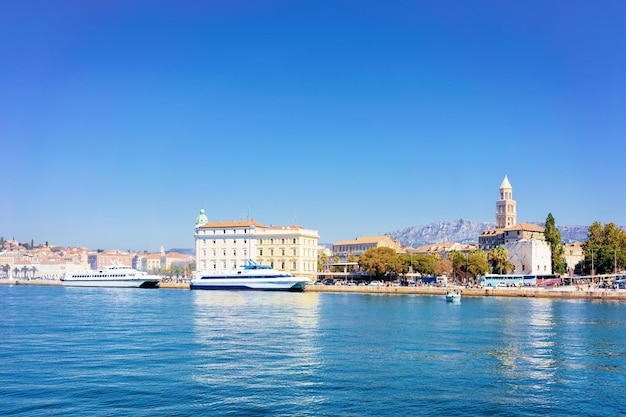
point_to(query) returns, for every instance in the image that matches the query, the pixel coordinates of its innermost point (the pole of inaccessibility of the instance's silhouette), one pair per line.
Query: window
(234, 252)
(282, 252)
(224, 253)
(245, 252)
(293, 252)
(293, 265)
(271, 252)
(260, 252)
(294, 241)
(283, 241)
(282, 265)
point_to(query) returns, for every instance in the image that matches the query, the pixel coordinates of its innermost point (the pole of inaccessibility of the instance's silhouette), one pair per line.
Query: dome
(202, 218)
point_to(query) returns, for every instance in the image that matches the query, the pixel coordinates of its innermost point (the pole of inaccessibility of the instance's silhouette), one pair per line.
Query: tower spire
(506, 215)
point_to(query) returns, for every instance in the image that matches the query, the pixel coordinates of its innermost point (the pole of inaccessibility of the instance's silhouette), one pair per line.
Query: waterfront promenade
(573, 291)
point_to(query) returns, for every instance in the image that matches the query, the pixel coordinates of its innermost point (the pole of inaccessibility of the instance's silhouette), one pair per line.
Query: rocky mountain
(466, 231)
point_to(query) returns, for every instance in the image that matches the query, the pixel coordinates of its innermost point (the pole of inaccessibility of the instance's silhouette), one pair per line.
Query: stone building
(525, 242)
(228, 245)
(356, 247)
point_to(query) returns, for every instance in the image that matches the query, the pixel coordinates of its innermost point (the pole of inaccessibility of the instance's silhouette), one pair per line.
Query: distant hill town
(467, 232)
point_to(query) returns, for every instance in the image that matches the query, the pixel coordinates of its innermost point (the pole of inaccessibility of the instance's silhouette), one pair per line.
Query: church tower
(505, 206)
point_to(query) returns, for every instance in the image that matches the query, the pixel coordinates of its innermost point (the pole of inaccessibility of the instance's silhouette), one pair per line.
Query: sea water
(134, 352)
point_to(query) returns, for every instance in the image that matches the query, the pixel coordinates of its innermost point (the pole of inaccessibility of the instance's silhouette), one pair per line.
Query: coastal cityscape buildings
(227, 245)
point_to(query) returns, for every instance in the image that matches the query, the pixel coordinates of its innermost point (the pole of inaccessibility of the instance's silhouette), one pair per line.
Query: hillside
(466, 231)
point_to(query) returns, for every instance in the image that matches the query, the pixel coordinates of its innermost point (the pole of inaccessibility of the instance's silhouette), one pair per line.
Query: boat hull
(249, 284)
(130, 283)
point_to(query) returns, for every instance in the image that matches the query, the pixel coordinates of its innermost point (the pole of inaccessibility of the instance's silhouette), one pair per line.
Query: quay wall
(575, 292)
(530, 292)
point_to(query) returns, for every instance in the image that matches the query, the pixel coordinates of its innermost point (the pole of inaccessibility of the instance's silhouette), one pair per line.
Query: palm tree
(34, 270)
(25, 271)
(6, 268)
(16, 271)
(499, 256)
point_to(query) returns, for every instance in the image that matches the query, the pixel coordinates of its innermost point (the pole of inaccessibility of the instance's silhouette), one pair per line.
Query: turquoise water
(133, 352)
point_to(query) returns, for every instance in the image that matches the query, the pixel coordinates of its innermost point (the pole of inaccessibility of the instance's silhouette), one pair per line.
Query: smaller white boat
(113, 276)
(452, 297)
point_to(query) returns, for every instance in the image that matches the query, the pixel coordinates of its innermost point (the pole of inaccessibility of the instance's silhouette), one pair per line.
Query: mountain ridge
(467, 231)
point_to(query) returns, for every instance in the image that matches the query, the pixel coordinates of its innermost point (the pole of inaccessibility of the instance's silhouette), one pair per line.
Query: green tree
(424, 264)
(553, 237)
(397, 265)
(478, 264)
(605, 249)
(376, 260)
(322, 263)
(499, 258)
(458, 259)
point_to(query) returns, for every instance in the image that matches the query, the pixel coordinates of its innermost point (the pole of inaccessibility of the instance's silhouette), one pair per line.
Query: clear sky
(120, 120)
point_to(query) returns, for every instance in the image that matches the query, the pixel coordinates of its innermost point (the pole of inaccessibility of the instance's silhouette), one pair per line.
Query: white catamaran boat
(113, 276)
(253, 276)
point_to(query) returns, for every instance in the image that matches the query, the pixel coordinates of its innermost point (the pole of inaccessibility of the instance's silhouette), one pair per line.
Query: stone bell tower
(505, 206)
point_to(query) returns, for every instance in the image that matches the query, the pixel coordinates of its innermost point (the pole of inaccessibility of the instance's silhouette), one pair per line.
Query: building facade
(291, 249)
(227, 246)
(356, 247)
(530, 257)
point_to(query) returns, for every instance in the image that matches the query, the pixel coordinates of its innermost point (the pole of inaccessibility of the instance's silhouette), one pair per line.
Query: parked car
(329, 281)
(375, 284)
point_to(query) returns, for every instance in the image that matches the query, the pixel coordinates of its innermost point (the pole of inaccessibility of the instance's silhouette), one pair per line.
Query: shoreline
(570, 292)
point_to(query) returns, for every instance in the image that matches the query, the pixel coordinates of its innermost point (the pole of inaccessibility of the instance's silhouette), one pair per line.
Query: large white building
(226, 246)
(525, 243)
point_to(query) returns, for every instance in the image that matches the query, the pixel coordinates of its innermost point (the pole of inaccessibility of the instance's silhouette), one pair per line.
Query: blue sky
(120, 120)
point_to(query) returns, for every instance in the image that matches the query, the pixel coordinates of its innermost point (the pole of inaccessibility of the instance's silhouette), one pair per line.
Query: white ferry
(253, 276)
(113, 276)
